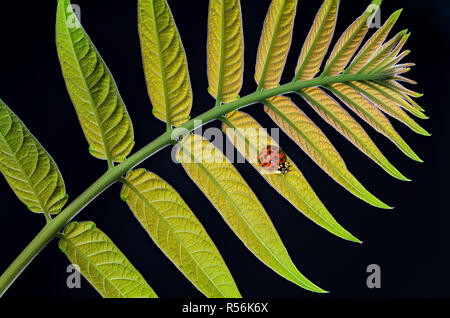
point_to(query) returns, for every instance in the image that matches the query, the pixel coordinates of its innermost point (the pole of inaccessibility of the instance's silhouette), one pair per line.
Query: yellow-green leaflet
(347, 44)
(394, 57)
(249, 137)
(372, 44)
(382, 53)
(102, 263)
(28, 168)
(393, 86)
(94, 93)
(337, 117)
(275, 43)
(165, 64)
(176, 230)
(222, 184)
(317, 42)
(388, 106)
(399, 100)
(316, 145)
(371, 114)
(225, 49)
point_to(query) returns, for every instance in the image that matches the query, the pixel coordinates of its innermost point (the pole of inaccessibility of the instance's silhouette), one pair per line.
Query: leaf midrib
(222, 54)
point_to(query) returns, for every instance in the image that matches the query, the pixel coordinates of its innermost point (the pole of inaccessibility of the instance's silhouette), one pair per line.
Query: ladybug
(273, 159)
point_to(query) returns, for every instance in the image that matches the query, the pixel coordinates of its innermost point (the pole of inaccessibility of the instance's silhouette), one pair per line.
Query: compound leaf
(225, 49)
(176, 230)
(165, 64)
(100, 109)
(249, 137)
(313, 141)
(222, 184)
(28, 168)
(275, 43)
(102, 263)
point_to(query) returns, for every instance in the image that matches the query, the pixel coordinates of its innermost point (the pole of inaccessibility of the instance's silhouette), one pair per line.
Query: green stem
(52, 228)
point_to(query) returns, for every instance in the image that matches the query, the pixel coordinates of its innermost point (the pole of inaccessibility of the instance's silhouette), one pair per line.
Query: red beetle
(273, 159)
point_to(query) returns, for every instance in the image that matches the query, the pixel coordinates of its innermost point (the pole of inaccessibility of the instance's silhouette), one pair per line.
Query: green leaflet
(249, 137)
(28, 168)
(312, 140)
(370, 47)
(275, 42)
(317, 41)
(165, 63)
(371, 114)
(382, 53)
(347, 44)
(222, 184)
(225, 50)
(398, 99)
(388, 106)
(94, 93)
(337, 117)
(102, 263)
(176, 230)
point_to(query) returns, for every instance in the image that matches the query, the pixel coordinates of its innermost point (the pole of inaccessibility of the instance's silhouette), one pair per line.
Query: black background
(410, 243)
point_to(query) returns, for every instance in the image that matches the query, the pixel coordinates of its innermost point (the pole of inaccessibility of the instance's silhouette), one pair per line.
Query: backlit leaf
(394, 57)
(337, 117)
(317, 42)
(316, 145)
(225, 49)
(371, 114)
(398, 99)
(222, 184)
(249, 137)
(347, 44)
(176, 230)
(275, 43)
(94, 93)
(28, 168)
(165, 63)
(375, 41)
(102, 263)
(387, 106)
(382, 53)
